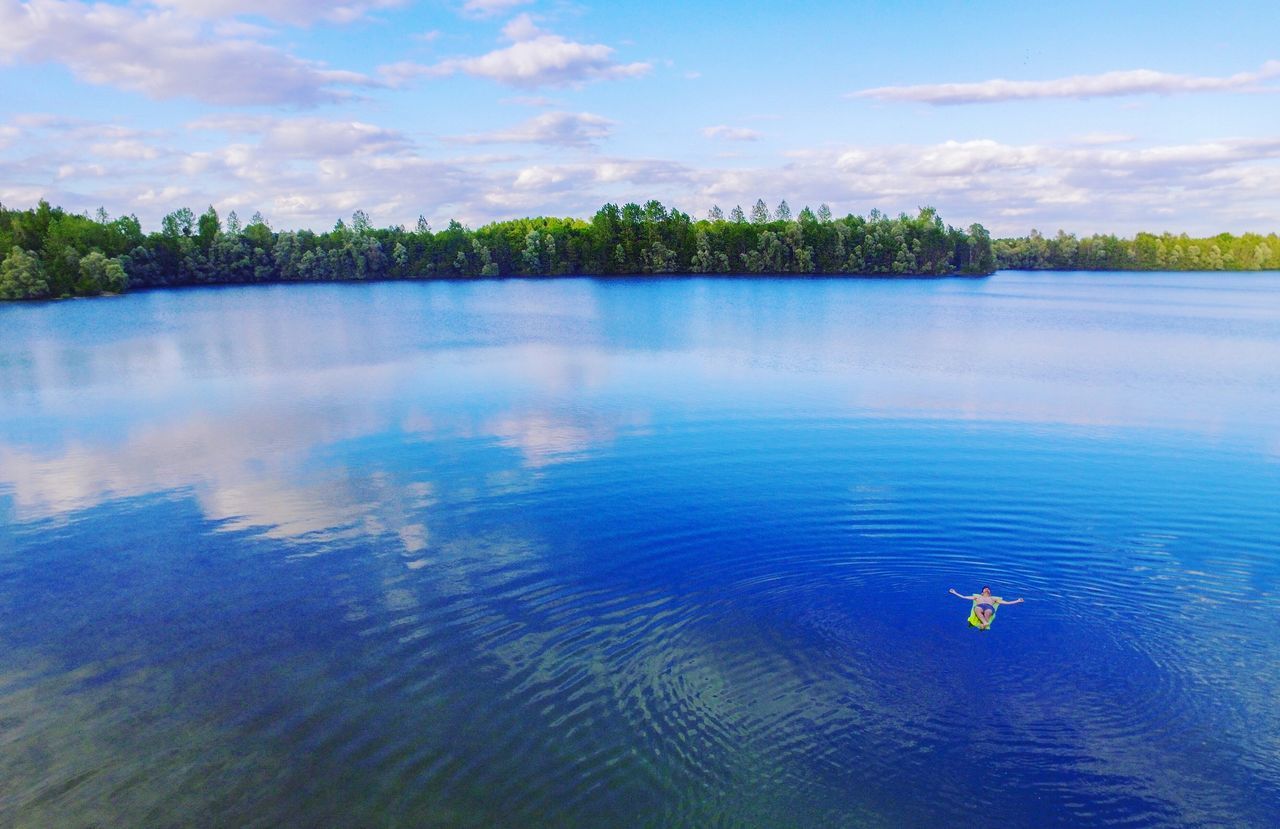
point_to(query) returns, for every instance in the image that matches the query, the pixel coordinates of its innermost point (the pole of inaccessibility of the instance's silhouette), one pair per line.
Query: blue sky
(1091, 117)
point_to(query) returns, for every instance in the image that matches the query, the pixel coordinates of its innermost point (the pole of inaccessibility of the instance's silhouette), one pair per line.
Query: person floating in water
(984, 605)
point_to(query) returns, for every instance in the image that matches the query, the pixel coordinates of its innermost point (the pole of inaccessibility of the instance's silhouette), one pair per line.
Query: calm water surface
(643, 553)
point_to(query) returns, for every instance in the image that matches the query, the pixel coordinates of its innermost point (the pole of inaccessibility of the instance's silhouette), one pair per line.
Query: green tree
(20, 276)
(178, 223)
(100, 275)
(658, 258)
(703, 259)
(360, 224)
(208, 227)
(258, 232)
(532, 255)
(287, 254)
(484, 259)
(74, 253)
(982, 256)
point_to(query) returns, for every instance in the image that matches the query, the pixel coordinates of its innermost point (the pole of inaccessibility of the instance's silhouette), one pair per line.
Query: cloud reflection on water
(247, 397)
(273, 478)
(415, 422)
(292, 468)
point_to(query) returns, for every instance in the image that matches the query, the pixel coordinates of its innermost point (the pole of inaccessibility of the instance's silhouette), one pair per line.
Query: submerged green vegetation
(49, 252)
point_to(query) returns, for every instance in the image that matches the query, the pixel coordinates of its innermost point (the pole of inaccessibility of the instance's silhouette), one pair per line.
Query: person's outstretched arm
(1012, 601)
(953, 592)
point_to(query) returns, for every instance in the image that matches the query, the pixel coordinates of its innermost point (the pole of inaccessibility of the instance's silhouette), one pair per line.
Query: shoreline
(637, 277)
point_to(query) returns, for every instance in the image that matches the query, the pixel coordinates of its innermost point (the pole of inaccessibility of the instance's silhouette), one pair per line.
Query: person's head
(986, 591)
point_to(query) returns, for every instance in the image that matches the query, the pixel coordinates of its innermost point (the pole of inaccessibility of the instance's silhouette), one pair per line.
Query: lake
(629, 552)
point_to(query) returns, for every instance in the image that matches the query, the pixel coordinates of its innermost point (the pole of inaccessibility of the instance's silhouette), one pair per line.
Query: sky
(1089, 117)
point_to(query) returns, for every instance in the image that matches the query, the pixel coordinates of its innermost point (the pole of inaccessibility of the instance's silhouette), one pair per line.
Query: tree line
(1144, 252)
(49, 252)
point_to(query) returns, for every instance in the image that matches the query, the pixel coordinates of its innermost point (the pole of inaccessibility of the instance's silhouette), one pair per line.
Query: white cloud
(1107, 84)
(1011, 188)
(309, 137)
(46, 120)
(521, 27)
(402, 72)
(124, 149)
(726, 133)
(580, 188)
(562, 129)
(232, 122)
(530, 101)
(298, 12)
(305, 172)
(311, 185)
(536, 58)
(81, 171)
(1099, 138)
(241, 29)
(163, 55)
(490, 8)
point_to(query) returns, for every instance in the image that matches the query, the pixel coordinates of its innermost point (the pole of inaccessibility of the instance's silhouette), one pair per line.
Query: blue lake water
(643, 553)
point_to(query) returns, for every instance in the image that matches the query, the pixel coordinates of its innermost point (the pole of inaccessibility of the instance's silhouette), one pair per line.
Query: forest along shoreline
(52, 253)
